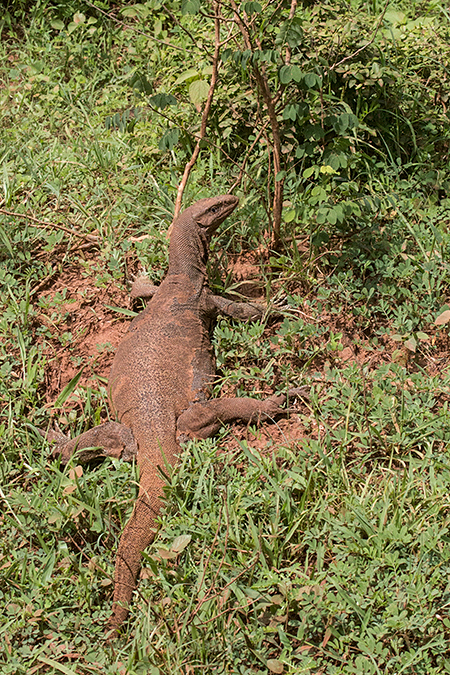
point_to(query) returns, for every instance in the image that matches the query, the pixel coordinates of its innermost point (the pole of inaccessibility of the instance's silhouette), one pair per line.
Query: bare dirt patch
(85, 331)
(246, 275)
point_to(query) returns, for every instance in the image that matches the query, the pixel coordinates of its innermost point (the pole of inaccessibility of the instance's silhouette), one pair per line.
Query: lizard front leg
(238, 310)
(109, 439)
(143, 288)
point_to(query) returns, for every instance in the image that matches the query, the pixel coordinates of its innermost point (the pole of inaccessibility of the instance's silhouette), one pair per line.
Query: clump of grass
(326, 554)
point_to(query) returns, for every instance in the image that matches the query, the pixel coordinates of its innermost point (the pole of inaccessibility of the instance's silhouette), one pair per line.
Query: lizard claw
(55, 437)
(280, 305)
(299, 392)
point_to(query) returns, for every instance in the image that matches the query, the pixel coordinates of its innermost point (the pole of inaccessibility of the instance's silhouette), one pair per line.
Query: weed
(318, 544)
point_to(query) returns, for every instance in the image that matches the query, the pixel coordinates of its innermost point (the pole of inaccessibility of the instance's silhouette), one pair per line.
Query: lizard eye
(214, 209)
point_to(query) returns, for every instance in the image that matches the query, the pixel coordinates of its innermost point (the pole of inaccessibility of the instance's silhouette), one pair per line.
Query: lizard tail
(137, 535)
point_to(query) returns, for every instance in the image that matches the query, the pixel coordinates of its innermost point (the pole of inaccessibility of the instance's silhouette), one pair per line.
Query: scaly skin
(166, 357)
(159, 381)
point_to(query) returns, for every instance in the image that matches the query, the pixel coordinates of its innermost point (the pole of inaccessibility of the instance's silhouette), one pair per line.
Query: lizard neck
(191, 232)
(188, 251)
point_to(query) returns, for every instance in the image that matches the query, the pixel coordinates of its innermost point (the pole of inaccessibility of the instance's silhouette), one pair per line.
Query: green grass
(328, 553)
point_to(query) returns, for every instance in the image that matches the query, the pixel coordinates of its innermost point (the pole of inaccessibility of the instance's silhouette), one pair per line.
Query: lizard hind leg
(202, 420)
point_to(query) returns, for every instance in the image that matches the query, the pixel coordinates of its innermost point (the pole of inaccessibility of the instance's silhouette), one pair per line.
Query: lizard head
(211, 212)
(191, 232)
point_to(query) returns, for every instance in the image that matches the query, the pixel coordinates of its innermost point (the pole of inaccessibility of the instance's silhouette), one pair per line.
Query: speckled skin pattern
(159, 384)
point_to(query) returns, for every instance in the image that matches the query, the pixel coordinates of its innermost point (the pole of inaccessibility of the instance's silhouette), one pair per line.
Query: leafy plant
(320, 542)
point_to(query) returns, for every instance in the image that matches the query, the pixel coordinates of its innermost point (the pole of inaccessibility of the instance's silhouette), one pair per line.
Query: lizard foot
(109, 439)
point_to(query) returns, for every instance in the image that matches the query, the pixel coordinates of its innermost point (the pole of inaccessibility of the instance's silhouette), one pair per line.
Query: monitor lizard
(159, 384)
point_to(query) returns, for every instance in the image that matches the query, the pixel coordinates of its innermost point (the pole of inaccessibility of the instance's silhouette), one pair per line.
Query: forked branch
(206, 110)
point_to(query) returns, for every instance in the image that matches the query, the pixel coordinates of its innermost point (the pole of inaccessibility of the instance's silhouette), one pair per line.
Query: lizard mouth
(218, 212)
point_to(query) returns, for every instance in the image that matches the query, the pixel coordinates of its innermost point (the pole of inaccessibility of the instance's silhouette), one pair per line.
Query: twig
(127, 25)
(288, 47)
(183, 28)
(263, 86)
(215, 65)
(87, 237)
(247, 155)
(361, 49)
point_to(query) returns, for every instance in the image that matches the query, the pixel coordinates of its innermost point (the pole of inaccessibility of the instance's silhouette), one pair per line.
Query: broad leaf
(190, 6)
(198, 91)
(169, 140)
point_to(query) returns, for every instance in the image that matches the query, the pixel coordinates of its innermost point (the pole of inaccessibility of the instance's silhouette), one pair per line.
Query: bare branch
(291, 16)
(207, 108)
(263, 86)
(361, 49)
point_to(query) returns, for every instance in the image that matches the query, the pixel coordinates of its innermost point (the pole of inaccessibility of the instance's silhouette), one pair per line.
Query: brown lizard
(159, 381)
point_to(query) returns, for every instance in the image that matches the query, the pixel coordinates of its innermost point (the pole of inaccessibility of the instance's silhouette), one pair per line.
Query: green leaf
(265, 56)
(344, 122)
(251, 7)
(191, 74)
(198, 91)
(312, 81)
(309, 171)
(289, 216)
(290, 73)
(130, 12)
(291, 32)
(331, 216)
(394, 17)
(68, 389)
(57, 24)
(318, 195)
(140, 83)
(290, 112)
(161, 101)
(169, 140)
(422, 336)
(190, 6)
(322, 215)
(275, 666)
(285, 74)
